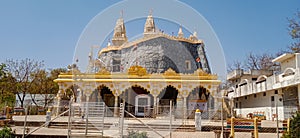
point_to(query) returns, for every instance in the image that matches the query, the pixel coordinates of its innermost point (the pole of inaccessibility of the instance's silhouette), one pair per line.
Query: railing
(47, 122)
(272, 82)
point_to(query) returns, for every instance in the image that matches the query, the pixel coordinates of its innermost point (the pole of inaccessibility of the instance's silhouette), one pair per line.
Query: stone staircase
(86, 119)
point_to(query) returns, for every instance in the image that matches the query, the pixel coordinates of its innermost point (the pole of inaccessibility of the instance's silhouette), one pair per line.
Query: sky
(50, 30)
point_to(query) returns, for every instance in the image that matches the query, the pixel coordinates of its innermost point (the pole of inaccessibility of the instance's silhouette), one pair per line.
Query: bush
(136, 134)
(6, 132)
(294, 127)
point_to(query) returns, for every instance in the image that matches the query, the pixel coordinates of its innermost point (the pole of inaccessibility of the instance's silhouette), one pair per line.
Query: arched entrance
(103, 94)
(72, 91)
(166, 95)
(197, 99)
(137, 100)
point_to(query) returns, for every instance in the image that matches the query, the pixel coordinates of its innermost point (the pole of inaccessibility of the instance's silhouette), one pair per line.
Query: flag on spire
(198, 59)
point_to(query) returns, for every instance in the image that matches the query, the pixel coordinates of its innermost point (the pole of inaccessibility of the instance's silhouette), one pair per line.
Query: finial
(195, 34)
(150, 12)
(180, 33)
(121, 13)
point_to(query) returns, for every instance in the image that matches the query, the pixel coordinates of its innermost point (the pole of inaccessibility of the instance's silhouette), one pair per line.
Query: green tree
(6, 132)
(45, 86)
(24, 71)
(294, 127)
(3, 71)
(7, 96)
(294, 31)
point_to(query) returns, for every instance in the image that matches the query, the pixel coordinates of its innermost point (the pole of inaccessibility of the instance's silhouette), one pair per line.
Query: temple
(146, 73)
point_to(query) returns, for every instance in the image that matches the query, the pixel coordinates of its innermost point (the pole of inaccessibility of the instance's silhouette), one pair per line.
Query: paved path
(42, 118)
(113, 131)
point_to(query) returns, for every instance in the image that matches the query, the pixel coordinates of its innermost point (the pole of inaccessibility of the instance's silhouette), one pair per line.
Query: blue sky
(49, 30)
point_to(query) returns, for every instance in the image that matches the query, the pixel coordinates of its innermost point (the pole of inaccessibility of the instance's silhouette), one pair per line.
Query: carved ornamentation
(103, 71)
(137, 70)
(204, 75)
(170, 72)
(200, 72)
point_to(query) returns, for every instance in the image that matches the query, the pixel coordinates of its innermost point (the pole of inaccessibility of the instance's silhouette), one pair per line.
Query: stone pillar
(79, 96)
(155, 93)
(155, 104)
(58, 98)
(116, 106)
(185, 107)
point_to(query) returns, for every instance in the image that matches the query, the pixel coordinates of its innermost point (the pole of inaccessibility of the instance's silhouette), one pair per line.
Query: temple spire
(149, 27)
(119, 37)
(180, 33)
(194, 36)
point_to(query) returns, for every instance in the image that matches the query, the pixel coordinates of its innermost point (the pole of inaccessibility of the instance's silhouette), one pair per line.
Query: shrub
(294, 127)
(6, 132)
(136, 134)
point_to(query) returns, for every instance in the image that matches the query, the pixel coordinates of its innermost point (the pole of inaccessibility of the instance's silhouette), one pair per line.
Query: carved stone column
(79, 96)
(58, 98)
(184, 95)
(155, 93)
(116, 93)
(116, 106)
(184, 107)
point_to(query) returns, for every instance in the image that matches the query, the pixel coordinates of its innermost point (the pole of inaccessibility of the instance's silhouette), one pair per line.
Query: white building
(261, 91)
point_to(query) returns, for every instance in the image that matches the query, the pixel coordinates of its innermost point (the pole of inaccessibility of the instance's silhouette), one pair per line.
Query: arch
(243, 82)
(198, 98)
(108, 85)
(103, 94)
(199, 93)
(231, 89)
(177, 86)
(68, 85)
(261, 78)
(130, 94)
(288, 71)
(168, 93)
(135, 85)
(71, 90)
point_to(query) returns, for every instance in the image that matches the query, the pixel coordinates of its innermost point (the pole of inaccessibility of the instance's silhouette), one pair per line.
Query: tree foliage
(6, 87)
(294, 31)
(255, 62)
(44, 85)
(294, 127)
(259, 61)
(236, 65)
(27, 77)
(6, 132)
(3, 71)
(25, 72)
